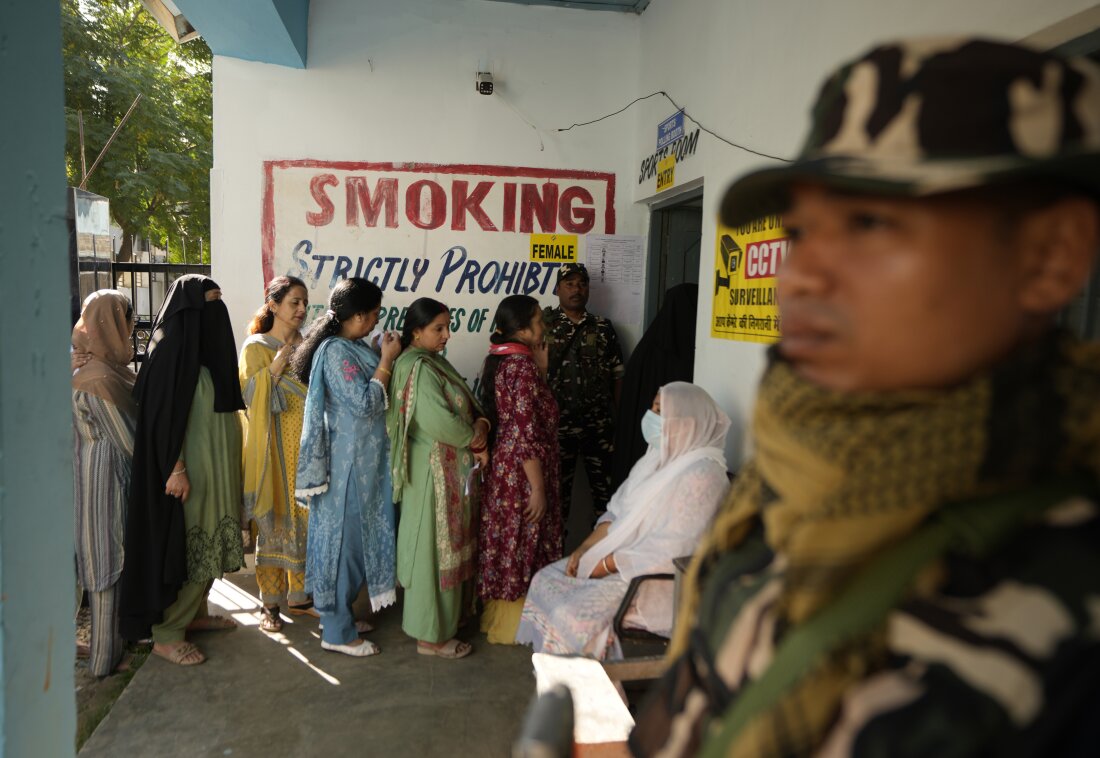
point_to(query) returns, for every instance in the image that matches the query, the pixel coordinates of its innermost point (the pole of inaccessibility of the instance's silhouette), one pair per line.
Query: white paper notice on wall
(616, 268)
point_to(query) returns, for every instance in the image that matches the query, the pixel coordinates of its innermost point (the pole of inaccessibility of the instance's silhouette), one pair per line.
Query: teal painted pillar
(37, 645)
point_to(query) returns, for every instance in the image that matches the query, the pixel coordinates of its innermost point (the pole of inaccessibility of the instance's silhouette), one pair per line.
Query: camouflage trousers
(593, 446)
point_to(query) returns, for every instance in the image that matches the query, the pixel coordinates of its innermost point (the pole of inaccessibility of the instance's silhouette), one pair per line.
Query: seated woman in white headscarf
(658, 514)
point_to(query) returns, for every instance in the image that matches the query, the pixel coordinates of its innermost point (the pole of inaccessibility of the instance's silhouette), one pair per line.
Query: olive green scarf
(839, 480)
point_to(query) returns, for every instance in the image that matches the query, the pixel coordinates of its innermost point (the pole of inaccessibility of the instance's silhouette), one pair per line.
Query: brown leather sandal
(183, 654)
(270, 621)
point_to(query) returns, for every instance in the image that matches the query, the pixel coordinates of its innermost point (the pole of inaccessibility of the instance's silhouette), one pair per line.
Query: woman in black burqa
(183, 522)
(665, 353)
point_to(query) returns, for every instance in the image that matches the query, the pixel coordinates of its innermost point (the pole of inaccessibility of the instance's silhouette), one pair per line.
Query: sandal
(305, 609)
(452, 649)
(183, 654)
(211, 624)
(364, 649)
(270, 620)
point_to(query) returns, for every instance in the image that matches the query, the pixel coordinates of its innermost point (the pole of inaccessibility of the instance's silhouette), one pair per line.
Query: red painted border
(267, 224)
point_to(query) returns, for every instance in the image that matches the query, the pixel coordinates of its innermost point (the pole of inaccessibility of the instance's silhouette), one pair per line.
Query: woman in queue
(276, 403)
(103, 447)
(438, 434)
(184, 520)
(658, 514)
(521, 529)
(343, 464)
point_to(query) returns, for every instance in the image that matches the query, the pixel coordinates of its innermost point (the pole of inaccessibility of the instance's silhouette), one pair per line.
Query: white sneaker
(362, 650)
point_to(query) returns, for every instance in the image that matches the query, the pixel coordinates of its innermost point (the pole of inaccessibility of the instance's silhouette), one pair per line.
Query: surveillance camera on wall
(484, 83)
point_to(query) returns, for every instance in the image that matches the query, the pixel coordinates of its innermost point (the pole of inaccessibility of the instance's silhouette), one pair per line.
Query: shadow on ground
(281, 694)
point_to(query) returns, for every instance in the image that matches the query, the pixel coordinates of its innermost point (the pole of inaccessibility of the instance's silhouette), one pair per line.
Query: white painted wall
(393, 81)
(749, 69)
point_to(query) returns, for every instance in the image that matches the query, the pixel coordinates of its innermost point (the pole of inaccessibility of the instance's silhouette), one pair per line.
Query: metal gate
(92, 266)
(145, 283)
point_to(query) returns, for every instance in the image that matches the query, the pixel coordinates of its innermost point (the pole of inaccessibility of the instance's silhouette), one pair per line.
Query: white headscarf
(693, 428)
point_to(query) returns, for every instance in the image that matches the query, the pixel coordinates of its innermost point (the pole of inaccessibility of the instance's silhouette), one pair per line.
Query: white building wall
(749, 70)
(394, 82)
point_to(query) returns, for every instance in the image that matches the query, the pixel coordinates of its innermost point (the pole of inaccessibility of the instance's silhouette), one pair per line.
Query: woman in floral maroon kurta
(521, 529)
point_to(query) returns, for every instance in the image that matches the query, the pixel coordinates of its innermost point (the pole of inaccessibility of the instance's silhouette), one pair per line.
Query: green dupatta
(456, 498)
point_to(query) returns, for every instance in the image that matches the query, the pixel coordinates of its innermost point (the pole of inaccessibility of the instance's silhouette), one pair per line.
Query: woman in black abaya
(183, 523)
(665, 354)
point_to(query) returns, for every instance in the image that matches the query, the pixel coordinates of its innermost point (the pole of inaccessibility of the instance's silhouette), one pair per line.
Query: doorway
(675, 236)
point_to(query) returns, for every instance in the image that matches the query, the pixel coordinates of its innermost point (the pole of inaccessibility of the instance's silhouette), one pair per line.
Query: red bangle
(478, 450)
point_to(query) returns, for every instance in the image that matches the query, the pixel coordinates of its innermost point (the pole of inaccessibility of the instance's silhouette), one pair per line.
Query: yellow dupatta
(262, 454)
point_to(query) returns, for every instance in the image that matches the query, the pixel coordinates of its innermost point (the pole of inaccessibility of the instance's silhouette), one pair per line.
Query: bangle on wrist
(603, 562)
(177, 472)
(383, 368)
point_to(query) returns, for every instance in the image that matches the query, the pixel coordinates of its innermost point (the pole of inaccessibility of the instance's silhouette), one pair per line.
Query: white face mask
(651, 428)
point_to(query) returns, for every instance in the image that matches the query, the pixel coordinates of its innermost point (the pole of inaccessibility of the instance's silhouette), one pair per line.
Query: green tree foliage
(157, 172)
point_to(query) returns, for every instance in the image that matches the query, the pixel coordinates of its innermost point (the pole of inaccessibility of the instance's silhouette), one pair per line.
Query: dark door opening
(675, 236)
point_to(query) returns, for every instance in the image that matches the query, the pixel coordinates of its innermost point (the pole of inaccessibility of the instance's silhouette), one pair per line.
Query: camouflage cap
(572, 268)
(924, 116)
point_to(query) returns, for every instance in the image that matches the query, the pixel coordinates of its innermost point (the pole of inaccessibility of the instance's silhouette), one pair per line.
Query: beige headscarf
(103, 334)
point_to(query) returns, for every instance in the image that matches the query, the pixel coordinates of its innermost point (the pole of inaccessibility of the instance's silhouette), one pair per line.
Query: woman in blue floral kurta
(343, 465)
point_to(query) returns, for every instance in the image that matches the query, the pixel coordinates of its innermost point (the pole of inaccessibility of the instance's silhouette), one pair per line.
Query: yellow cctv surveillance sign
(746, 260)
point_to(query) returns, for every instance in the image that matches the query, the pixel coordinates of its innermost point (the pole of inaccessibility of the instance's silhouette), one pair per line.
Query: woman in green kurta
(438, 439)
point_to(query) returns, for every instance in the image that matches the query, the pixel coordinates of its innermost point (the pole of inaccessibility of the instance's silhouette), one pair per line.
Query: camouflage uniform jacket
(583, 377)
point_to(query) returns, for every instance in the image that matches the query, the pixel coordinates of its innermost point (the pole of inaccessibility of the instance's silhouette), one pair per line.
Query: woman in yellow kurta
(276, 402)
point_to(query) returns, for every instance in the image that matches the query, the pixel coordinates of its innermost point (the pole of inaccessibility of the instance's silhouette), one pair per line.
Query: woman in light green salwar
(438, 439)
(212, 510)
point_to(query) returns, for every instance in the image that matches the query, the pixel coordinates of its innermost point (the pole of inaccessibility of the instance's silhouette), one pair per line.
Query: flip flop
(306, 609)
(181, 655)
(211, 624)
(448, 650)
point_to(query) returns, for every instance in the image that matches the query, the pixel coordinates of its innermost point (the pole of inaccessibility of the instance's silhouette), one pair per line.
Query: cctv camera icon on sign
(731, 256)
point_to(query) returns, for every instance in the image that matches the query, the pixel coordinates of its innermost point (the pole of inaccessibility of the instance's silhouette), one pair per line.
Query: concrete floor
(282, 695)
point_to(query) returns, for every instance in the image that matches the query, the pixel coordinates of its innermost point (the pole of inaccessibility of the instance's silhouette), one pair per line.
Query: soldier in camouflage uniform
(586, 374)
(910, 563)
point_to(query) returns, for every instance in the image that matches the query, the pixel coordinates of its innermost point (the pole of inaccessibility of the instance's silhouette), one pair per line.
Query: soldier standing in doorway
(586, 374)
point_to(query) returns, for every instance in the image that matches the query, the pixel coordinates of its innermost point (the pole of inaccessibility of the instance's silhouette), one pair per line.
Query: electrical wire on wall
(676, 105)
(524, 119)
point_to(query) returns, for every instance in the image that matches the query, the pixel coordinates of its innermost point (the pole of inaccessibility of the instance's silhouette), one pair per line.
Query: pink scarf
(509, 348)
